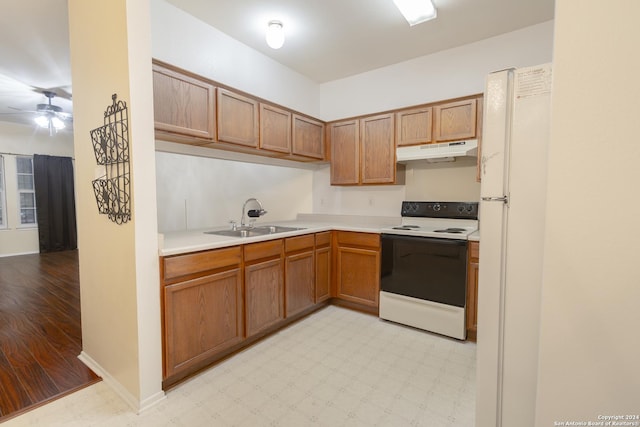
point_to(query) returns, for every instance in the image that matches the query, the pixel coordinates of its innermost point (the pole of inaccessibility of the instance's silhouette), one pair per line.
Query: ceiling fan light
(275, 34)
(416, 11)
(57, 123)
(42, 121)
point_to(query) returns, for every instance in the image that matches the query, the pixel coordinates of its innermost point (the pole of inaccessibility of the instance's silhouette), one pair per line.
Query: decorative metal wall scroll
(111, 147)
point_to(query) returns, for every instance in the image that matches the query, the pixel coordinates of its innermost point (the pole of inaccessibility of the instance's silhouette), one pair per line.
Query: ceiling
(325, 39)
(34, 47)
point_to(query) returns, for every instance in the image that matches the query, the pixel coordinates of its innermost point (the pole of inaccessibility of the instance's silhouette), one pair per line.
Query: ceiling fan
(48, 116)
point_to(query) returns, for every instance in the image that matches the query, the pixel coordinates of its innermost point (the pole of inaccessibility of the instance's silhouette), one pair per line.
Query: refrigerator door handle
(503, 199)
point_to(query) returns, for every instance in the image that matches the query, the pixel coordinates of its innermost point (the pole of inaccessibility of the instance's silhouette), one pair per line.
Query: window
(3, 200)
(26, 191)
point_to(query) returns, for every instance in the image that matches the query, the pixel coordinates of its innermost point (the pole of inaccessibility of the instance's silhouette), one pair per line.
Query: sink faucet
(252, 213)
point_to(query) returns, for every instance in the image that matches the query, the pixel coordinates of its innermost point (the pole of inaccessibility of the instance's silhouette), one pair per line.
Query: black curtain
(55, 203)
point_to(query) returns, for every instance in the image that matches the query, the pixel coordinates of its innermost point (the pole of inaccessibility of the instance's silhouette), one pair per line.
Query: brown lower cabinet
(472, 291)
(264, 285)
(358, 268)
(299, 274)
(204, 315)
(323, 266)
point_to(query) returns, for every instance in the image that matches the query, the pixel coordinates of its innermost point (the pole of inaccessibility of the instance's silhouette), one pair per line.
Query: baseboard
(18, 254)
(137, 405)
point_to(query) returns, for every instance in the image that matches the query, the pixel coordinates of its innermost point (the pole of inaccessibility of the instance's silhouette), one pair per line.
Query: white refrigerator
(515, 139)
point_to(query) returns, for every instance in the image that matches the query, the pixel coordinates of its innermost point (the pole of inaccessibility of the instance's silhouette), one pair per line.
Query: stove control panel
(454, 210)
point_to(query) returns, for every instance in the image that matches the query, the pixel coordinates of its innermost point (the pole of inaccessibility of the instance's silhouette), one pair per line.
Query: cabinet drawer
(254, 251)
(474, 250)
(181, 265)
(292, 244)
(323, 239)
(351, 238)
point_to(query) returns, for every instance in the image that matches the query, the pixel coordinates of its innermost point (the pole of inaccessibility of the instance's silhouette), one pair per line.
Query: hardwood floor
(40, 336)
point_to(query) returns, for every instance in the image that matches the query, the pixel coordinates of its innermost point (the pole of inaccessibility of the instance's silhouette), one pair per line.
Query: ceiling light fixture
(47, 119)
(416, 11)
(275, 34)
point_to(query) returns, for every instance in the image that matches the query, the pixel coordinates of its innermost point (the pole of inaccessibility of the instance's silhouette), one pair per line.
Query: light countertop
(179, 242)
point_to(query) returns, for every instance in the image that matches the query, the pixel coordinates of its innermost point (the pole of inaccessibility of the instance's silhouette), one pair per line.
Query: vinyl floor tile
(334, 368)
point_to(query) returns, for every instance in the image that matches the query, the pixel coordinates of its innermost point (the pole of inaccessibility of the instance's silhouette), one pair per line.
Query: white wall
(119, 273)
(589, 340)
(376, 200)
(196, 192)
(186, 42)
(17, 139)
(448, 74)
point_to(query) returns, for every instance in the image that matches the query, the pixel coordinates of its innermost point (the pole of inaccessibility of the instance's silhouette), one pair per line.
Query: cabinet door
(323, 273)
(345, 153)
(323, 244)
(378, 149)
(358, 275)
(308, 137)
(182, 104)
(455, 120)
(202, 317)
(237, 119)
(299, 282)
(264, 295)
(472, 291)
(414, 126)
(275, 129)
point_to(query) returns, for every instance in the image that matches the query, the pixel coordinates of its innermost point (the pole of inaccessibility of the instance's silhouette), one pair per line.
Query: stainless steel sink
(238, 233)
(254, 231)
(277, 228)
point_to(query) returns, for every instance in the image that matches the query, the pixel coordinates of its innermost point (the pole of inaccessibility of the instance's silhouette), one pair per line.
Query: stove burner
(451, 230)
(406, 227)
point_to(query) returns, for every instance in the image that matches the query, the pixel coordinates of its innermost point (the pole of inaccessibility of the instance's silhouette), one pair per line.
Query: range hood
(444, 152)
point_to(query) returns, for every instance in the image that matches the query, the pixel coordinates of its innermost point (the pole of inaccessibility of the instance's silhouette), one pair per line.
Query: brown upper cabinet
(377, 150)
(413, 127)
(237, 119)
(275, 129)
(193, 110)
(308, 137)
(455, 120)
(345, 152)
(363, 151)
(183, 105)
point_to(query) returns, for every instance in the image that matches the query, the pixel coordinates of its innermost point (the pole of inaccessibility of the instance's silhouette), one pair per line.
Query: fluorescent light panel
(416, 11)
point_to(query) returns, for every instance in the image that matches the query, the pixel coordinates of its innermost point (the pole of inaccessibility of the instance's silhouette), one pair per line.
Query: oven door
(426, 268)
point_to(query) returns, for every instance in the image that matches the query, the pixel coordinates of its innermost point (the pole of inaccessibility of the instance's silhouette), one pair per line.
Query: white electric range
(424, 266)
